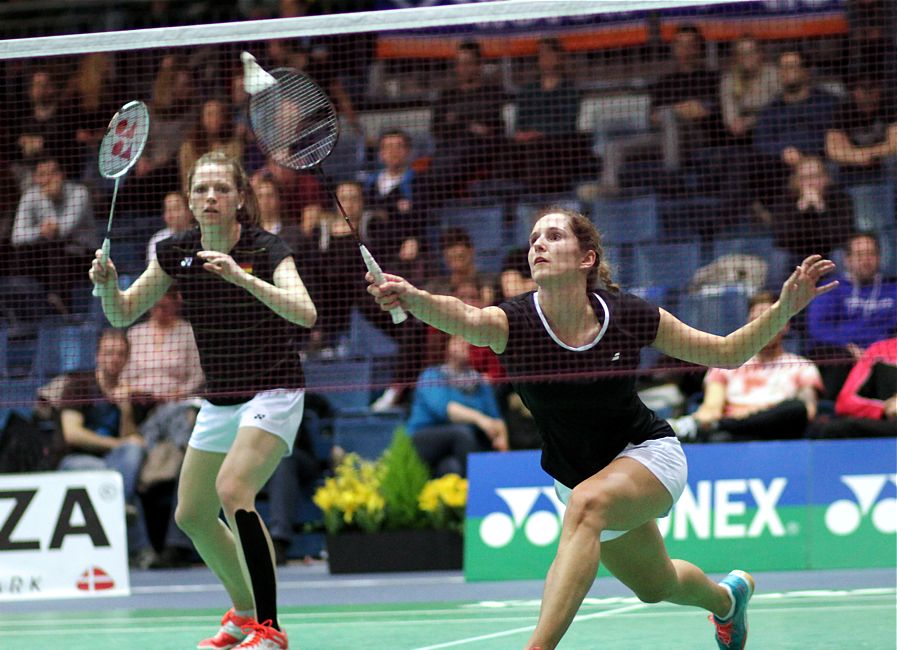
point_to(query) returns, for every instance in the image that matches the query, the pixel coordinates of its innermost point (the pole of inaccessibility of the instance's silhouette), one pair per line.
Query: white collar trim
(554, 336)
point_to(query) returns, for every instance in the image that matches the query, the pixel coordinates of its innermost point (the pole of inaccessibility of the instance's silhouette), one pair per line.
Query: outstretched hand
(800, 288)
(391, 293)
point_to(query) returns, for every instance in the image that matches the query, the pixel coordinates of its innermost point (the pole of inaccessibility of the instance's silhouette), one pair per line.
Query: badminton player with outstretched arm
(242, 296)
(616, 465)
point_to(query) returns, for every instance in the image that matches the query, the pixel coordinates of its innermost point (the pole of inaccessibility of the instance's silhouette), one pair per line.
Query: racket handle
(104, 256)
(398, 314)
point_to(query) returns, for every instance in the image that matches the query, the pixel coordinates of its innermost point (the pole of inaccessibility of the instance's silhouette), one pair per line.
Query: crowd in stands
(761, 148)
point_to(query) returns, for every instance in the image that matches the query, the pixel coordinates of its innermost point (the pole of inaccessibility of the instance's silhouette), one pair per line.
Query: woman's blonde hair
(249, 213)
(589, 240)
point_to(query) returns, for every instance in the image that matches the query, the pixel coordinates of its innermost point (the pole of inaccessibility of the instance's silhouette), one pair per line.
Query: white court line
(527, 628)
(526, 607)
(301, 584)
(12, 629)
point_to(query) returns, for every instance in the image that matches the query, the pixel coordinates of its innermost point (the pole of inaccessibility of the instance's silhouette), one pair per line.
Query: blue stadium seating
(63, 348)
(367, 434)
(665, 265)
(525, 211)
(347, 160)
(18, 392)
(345, 382)
(365, 339)
(4, 341)
(888, 239)
(718, 311)
(626, 221)
(873, 206)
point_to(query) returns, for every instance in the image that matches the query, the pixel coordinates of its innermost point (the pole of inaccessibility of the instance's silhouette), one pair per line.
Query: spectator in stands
(164, 361)
(177, 217)
(813, 215)
(89, 100)
(458, 256)
(772, 396)
(394, 191)
(468, 127)
(867, 404)
(454, 413)
(546, 148)
(684, 110)
(863, 132)
(793, 125)
(270, 215)
(859, 312)
(53, 232)
(685, 103)
(515, 277)
(100, 428)
(302, 196)
(37, 128)
(212, 131)
(746, 89)
(173, 110)
(870, 41)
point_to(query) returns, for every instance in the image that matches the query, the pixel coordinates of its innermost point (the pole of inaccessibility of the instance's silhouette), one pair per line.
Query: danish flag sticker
(95, 579)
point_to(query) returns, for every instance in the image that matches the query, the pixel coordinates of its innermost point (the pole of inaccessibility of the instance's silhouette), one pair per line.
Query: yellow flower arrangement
(388, 494)
(443, 500)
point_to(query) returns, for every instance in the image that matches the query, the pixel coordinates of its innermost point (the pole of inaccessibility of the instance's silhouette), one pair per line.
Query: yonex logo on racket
(125, 131)
(541, 526)
(844, 517)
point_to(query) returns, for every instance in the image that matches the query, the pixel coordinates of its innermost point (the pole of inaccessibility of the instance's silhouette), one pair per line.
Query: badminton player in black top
(570, 351)
(243, 297)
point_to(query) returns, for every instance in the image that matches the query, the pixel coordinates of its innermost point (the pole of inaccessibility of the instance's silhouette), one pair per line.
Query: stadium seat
(888, 239)
(626, 221)
(4, 341)
(614, 115)
(18, 392)
(873, 206)
(718, 310)
(63, 348)
(760, 246)
(524, 213)
(485, 225)
(345, 383)
(365, 339)
(665, 265)
(347, 160)
(367, 434)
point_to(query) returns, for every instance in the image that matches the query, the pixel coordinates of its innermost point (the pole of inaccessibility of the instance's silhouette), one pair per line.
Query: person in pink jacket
(867, 403)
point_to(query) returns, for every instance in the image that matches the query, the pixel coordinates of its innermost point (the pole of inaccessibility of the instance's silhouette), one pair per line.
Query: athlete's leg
(249, 464)
(640, 561)
(197, 515)
(622, 496)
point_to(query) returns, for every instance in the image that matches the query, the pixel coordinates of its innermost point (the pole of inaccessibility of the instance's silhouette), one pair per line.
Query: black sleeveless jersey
(583, 399)
(244, 347)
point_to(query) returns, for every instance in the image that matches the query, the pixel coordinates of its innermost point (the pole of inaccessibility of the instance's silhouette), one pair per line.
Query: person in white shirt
(177, 219)
(53, 232)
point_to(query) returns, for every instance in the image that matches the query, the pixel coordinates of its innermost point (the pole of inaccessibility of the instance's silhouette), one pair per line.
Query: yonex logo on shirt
(187, 261)
(259, 416)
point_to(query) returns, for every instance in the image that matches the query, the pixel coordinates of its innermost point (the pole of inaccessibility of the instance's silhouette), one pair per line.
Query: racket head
(294, 120)
(124, 140)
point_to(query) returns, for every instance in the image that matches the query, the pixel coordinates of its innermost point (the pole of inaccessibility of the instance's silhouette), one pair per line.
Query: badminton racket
(296, 124)
(120, 149)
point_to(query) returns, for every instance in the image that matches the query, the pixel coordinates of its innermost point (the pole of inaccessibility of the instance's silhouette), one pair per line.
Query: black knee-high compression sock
(261, 568)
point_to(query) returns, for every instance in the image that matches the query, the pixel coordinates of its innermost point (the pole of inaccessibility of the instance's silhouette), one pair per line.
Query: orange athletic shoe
(229, 634)
(263, 636)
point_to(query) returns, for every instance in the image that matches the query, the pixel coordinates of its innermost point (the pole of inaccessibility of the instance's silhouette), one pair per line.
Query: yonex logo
(541, 527)
(187, 261)
(259, 416)
(843, 517)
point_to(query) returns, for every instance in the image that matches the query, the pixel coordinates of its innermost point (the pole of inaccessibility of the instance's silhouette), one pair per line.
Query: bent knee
(234, 495)
(588, 507)
(191, 520)
(655, 593)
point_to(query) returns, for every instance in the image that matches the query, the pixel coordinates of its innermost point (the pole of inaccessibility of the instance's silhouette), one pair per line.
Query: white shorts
(278, 412)
(663, 457)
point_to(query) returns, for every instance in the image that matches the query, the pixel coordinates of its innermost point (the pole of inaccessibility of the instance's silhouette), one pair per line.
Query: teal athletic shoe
(731, 634)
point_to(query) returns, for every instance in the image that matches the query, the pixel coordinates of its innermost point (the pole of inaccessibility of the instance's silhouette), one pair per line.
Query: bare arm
(713, 405)
(495, 428)
(676, 339)
(287, 297)
(480, 327)
(839, 148)
(78, 436)
(807, 395)
(124, 307)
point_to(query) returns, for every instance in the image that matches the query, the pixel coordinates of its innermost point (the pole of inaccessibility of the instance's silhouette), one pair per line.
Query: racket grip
(103, 257)
(398, 314)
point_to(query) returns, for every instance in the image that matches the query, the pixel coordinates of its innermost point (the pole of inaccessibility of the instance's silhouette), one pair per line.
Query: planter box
(395, 550)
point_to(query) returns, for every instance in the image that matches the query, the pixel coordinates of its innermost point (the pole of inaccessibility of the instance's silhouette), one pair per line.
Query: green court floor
(836, 620)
